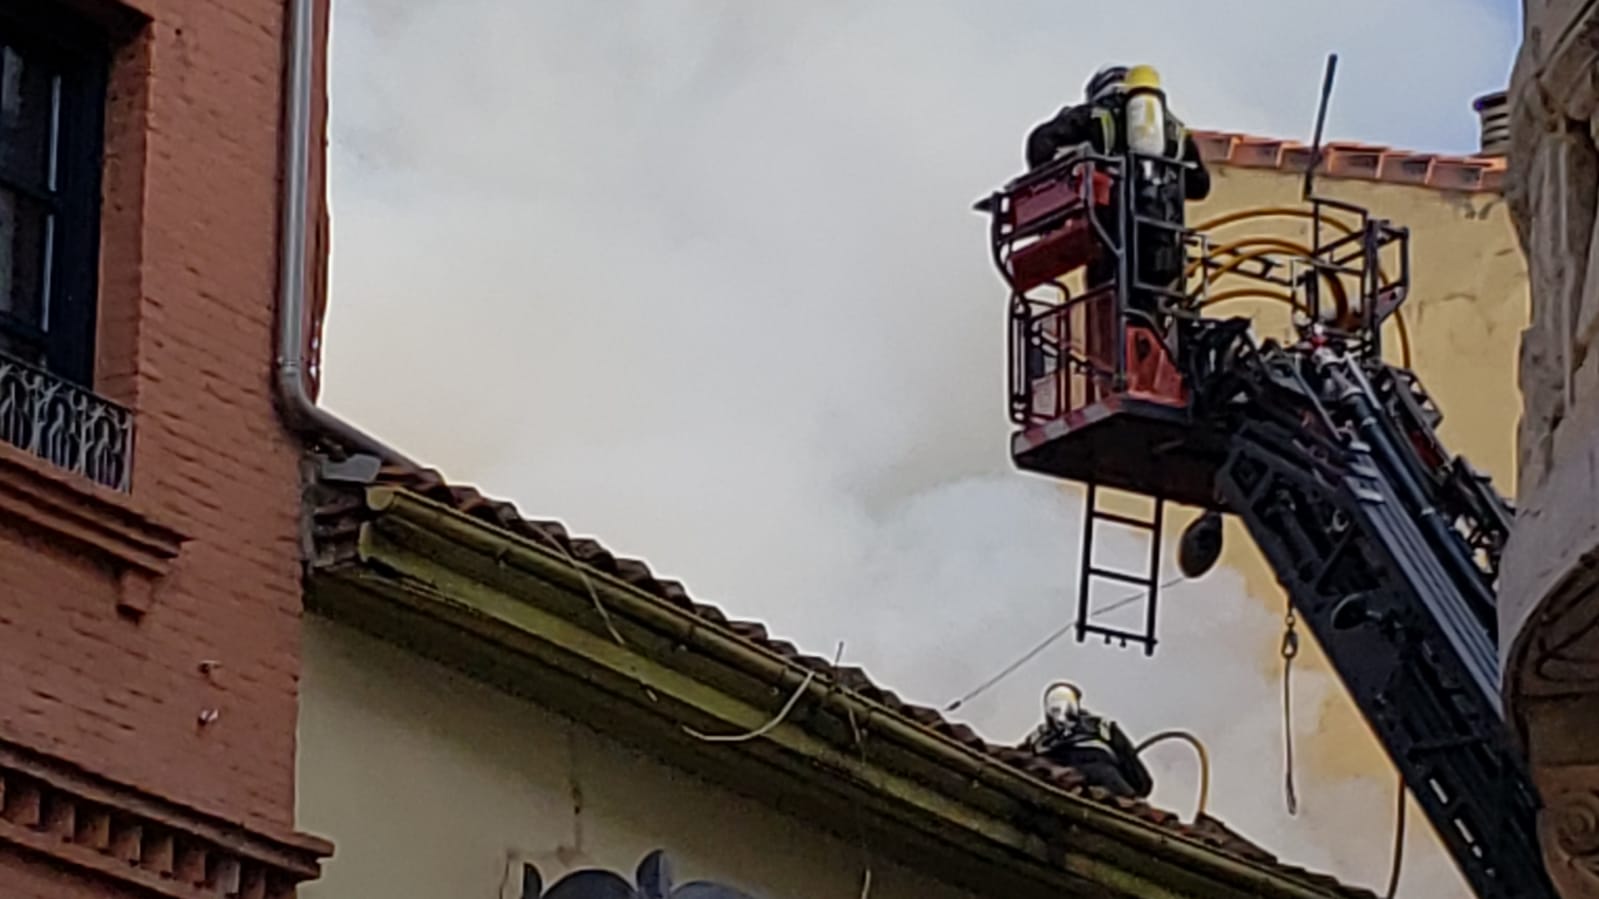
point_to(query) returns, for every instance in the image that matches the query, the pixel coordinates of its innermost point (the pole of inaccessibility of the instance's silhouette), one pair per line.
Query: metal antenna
(1321, 121)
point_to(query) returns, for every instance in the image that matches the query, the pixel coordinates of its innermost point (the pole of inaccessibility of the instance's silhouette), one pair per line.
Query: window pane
(24, 224)
(27, 119)
(20, 348)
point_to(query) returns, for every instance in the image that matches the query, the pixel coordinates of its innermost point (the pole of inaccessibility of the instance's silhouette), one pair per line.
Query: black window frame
(81, 56)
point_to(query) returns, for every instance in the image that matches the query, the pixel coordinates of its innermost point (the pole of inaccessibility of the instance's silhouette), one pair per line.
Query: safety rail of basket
(1061, 355)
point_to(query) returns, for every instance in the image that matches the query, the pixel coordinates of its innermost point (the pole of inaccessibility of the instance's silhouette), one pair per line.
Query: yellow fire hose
(1233, 248)
(1246, 249)
(1204, 761)
(1222, 221)
(1268, 246)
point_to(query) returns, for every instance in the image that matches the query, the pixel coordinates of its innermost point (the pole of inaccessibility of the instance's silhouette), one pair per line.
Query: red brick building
(149, 488)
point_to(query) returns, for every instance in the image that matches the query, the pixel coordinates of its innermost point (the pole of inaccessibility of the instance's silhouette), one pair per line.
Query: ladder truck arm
(1389, 558)
(1387, 545)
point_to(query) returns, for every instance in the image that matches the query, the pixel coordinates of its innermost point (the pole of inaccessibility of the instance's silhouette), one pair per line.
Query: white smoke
(701, 277)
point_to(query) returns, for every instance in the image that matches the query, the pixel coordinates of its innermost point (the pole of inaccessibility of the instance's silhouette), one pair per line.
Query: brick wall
(31, 878)
(187, 287)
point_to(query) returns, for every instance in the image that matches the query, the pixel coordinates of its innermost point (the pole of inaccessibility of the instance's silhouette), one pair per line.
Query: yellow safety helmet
(1143, 77)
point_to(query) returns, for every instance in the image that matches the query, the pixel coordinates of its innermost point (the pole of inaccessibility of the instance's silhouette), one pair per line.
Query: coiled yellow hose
(1340, 296)
(1204, 761)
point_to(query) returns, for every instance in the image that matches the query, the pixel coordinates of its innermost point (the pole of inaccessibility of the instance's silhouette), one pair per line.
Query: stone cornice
(1551, 575)
(110, 525)
(114, 832)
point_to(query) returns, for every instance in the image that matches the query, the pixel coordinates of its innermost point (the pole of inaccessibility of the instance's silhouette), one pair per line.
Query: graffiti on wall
(651, 880)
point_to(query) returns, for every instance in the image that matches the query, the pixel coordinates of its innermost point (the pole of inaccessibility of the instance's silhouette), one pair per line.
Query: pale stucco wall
(430, 783)
(1467, 307)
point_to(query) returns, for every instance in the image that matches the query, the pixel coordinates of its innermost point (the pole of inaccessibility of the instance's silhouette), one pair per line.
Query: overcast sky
(701, 278)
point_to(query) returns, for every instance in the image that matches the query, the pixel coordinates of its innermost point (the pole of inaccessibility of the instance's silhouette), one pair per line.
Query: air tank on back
(1146, 112)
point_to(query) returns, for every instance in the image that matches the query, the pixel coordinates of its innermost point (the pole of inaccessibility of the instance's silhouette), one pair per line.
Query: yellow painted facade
(433, 785)
(1467, 307)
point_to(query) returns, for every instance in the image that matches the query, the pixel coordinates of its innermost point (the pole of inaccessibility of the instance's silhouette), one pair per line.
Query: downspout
(302, 413)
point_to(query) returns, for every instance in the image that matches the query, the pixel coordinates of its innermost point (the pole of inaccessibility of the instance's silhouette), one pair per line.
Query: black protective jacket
(1100, 750)
(1101, 127)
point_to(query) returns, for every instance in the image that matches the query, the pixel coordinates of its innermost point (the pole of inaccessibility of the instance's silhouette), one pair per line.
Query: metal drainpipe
(302, 412)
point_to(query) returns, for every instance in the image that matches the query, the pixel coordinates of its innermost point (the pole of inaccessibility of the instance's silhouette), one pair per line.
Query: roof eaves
(1353, 160)
(1206, 834)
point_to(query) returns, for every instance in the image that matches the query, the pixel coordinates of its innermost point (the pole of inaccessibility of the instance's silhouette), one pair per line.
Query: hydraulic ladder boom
(1391, 566)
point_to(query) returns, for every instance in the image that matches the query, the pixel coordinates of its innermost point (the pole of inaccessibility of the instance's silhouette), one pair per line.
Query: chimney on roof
(1494, 112)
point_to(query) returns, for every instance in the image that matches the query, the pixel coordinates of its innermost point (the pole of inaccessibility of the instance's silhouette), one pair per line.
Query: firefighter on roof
(1124, 109)
(1096, 747)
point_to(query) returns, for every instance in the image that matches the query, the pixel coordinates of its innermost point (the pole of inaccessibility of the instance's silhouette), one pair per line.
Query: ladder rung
(1123, 519)
(1125, 578)
(1431, 747)
(1111, 633)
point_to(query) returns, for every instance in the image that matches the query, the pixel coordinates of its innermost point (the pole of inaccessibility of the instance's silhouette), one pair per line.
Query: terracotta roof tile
(1344, 159)
(333, 522)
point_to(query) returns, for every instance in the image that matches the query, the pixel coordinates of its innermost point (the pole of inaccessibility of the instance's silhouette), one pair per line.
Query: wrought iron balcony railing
(64, 424)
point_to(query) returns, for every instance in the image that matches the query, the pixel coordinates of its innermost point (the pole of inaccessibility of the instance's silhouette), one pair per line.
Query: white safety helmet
(1063, 702)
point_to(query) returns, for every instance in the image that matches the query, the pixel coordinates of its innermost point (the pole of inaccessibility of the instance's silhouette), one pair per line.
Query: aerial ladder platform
(1387, 546)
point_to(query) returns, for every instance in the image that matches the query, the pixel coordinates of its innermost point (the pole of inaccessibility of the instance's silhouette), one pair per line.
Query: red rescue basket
(1089, 406)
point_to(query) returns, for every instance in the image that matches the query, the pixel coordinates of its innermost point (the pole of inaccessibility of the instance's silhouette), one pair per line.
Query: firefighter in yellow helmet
(1100, 121)
(1095, 747)
(1125, 108)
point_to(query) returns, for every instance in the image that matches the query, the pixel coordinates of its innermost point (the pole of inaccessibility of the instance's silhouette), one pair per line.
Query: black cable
(1049, 641)
(1290, 649)
(1399, 844)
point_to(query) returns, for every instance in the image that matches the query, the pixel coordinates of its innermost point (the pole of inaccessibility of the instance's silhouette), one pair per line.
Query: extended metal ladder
(1367, 544)
(1091, 614)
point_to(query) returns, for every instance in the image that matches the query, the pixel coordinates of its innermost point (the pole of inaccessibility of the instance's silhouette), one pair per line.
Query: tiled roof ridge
(1350, 159)
(1206, 831)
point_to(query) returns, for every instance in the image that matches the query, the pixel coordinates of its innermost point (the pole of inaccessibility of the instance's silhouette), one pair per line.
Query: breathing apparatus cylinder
(1146, 112)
